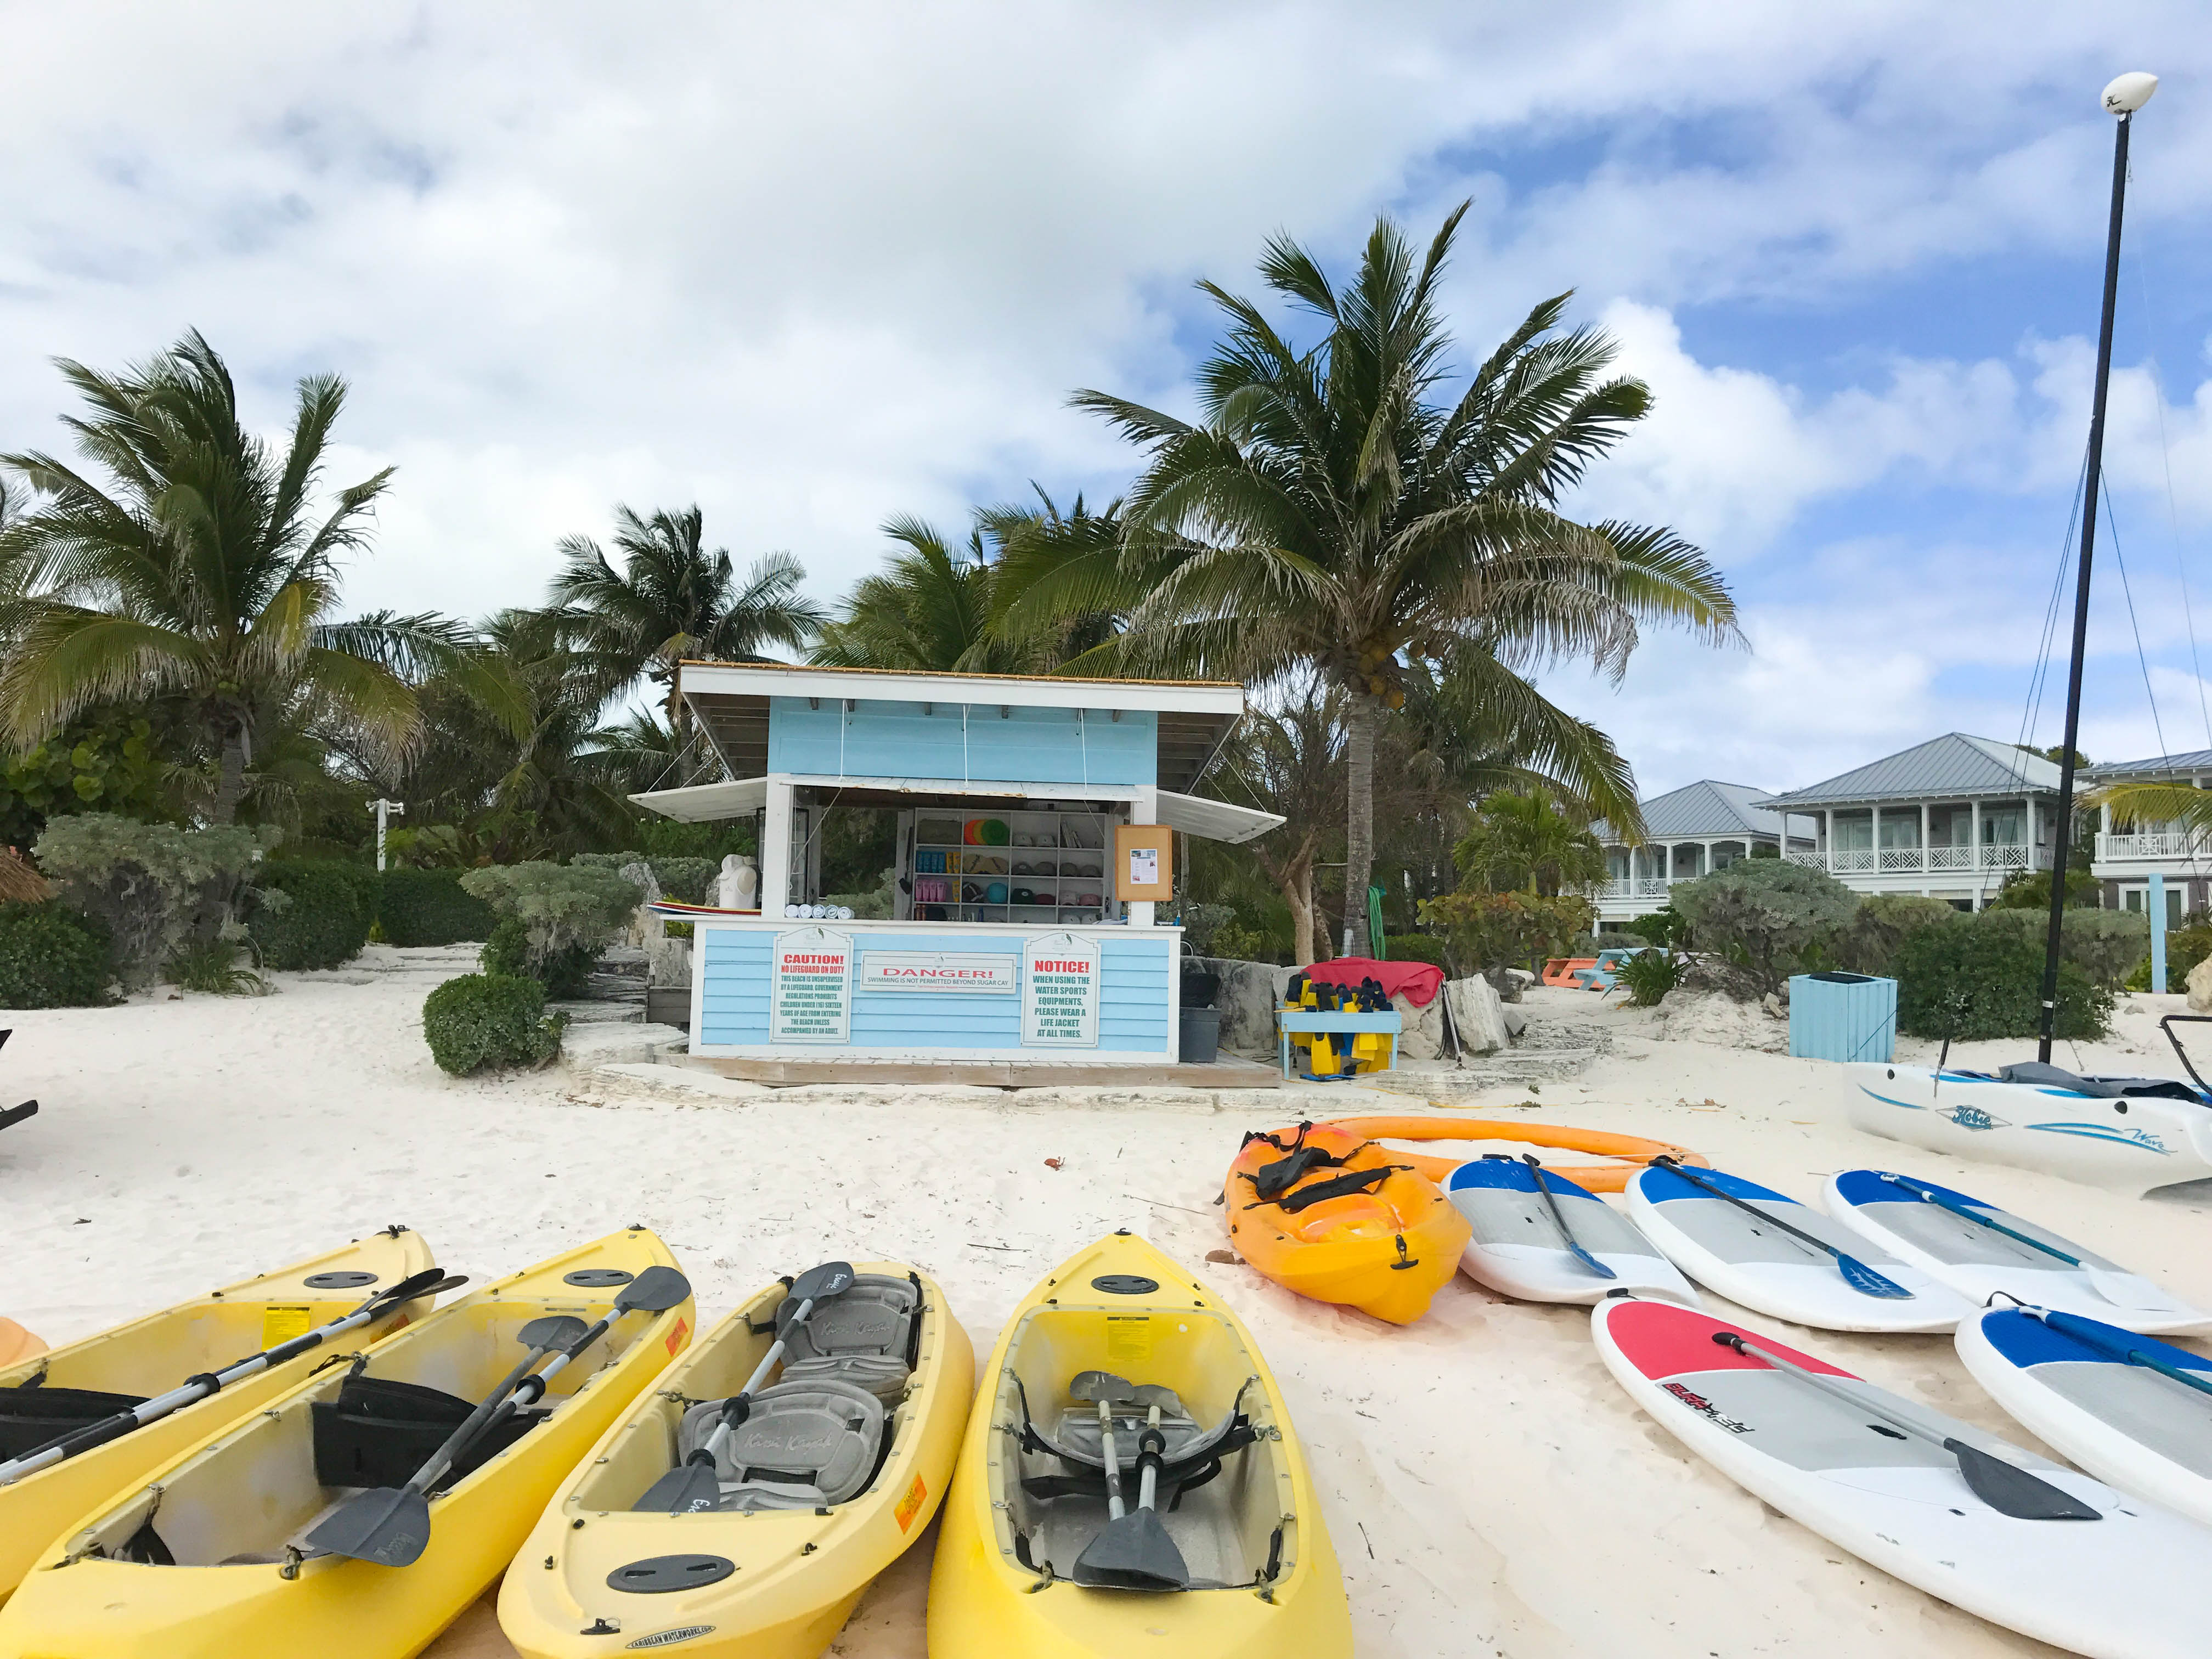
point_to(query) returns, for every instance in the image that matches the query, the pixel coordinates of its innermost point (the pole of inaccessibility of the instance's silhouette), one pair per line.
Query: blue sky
(812, 270)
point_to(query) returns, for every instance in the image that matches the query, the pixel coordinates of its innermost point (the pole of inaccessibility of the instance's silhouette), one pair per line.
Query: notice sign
(950, 970)
(1060, 992)
(810, 993)
(1144, 867)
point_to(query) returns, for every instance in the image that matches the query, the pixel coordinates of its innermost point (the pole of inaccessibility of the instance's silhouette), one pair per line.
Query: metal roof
(1708, 808)
(1951, 767)
(2196, 760)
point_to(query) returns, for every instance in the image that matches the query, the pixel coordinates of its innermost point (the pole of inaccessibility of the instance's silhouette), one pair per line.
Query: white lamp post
(383, 809)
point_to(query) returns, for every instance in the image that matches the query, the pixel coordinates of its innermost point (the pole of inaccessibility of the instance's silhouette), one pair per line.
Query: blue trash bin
(1843, 1017)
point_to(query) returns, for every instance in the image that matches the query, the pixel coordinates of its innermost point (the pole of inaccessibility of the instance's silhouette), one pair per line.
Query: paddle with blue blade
(2005, 1487)
(1860, 1277)
(2115, 1288)
(2092, 1335)
(1560, 1220)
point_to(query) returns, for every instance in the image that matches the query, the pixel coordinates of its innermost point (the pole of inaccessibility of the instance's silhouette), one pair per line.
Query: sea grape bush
(1766, 918)
(155, 886)
(562, 908)
(1488, 932)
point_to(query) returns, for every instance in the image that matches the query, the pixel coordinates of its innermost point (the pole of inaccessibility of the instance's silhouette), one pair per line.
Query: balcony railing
(1640, 887)
(1932, 860)
(2159, 844)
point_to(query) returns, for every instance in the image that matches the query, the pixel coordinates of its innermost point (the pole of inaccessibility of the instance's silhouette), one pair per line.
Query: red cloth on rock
(1417, 981)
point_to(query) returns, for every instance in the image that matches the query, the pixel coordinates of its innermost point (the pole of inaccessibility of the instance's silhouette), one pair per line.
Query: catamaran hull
(2130, 1145)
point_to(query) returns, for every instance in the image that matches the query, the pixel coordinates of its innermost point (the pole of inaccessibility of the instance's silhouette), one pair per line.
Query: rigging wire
(2172, 511)
(2038, 677)
(2142, 659)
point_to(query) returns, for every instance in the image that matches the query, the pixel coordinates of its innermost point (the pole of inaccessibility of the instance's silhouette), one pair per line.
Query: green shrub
(2185, 946)
(1768, 917)
(482, 1020)
(2103, 943)
(562, 908)
(1666, 926)
(564, 974)
(52, 957)
(1488, 931)
(429, 907)
(1868, 943)
(212, 965)
(1588, 945)
(1649, 976)
(1970, 982)
(155, 886)
(1234, 942)
(2030, 890)
(1419, 947)
(308, 916)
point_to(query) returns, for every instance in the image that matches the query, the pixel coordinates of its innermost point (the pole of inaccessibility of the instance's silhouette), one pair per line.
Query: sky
(810, 267)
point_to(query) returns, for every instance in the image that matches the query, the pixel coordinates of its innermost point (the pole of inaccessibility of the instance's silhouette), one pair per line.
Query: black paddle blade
(690, 1489)
(388, 1527)
(2010, 1490)
(429, 1282)
(17, 1113)
(830, 1278)
(654, 1291)
(552, 1331)
(1134, 1552)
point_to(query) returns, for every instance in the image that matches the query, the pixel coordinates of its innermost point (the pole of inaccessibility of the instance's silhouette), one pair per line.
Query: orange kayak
(16, 1343)
(1332, 1215)
(1633, 1152)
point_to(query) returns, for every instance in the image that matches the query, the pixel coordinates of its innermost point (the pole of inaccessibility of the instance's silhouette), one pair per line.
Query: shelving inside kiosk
(1016, 867)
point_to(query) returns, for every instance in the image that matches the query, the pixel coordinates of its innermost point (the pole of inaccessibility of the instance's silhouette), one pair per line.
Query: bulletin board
(1142, 850)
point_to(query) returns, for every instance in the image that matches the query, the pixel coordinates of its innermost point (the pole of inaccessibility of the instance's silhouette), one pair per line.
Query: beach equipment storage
(1843, 1017)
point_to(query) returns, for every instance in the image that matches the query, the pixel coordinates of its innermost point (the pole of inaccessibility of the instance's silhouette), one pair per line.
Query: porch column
(1827, 837)
(1974, 833)
(1709, 858)
(775, 848)
(1924, 837)
(1874, 834)
(1145, 810)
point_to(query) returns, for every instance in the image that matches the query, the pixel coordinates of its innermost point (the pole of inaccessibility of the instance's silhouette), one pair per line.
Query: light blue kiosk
(1031, 811)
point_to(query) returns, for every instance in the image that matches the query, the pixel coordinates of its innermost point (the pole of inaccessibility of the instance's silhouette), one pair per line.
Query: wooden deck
(1227, 1073)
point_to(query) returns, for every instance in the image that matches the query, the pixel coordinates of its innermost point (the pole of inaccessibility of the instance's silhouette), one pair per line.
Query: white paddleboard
(1977, 1261)
(2125, 1423)
(1734, 1254)
(2128, 1585)
(1516, 1248)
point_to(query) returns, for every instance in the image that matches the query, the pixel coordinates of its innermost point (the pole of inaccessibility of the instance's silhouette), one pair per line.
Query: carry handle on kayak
(2167, 1025)
(431, 1281)
(1860, 1277)
(2005, 1487)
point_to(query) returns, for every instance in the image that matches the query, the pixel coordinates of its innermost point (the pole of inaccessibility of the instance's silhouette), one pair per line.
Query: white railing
(1950, 858)
(2162, 844)
(1810, 859)
(2004, 857)
(1901, 857)
(1844, 859)
(1916, 860)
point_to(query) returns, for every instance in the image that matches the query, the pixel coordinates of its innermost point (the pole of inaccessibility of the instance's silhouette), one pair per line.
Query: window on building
(2003, 825)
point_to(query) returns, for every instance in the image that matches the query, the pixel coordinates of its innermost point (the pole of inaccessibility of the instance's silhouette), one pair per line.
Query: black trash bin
(1201, 1030)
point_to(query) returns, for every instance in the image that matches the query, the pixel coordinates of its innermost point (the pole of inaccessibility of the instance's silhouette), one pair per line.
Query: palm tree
(1521, 840)
(673, 599)
(1325, 516)
(197, 572)
(1290, 761)
(929, 612)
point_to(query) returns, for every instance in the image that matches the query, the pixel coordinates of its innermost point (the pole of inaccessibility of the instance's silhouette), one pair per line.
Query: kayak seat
(1078, 1432)
(1191, 1457)
(863, 1337)
(379, 1431)
(33, 1414)
(803, 1446)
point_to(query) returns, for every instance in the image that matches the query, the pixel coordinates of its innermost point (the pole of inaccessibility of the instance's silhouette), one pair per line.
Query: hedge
(428, 907)
(482, 1020)
(52, 957)
(1969, 981)
(1418, 947)
(564, 974)
(321, 921)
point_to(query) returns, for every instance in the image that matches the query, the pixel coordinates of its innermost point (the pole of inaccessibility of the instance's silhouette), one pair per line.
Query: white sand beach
(1489, 1489)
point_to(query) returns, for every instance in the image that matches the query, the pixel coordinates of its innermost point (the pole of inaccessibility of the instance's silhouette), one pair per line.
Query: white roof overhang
(1214, 820)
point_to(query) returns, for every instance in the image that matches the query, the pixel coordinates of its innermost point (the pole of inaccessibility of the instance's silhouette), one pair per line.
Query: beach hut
(1036, 846)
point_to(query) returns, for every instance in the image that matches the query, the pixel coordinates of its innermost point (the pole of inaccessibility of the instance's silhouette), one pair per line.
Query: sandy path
(1489, 1489)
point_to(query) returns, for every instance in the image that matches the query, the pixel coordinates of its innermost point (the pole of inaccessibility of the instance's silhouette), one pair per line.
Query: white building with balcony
(1950, 818)
(1688, 832)
(2128, 855)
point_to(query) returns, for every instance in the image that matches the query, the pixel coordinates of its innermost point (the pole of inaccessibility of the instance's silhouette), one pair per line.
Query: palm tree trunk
(1363, 720)
(230, 782)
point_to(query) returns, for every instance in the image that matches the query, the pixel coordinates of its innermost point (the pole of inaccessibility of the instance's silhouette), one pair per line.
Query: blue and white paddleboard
(1746, 1259)
(2119, 1418)
(1518, 1248)
(1971, 1245)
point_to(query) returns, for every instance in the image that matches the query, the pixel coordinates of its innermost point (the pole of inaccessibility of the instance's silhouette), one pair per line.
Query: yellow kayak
(772, 1570)
(148, 1356)
(204, 1558)
(1234, 1556)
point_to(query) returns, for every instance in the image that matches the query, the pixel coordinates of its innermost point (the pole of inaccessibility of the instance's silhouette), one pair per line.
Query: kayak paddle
(431, 1281)
(654, 1291)
(2005, 1487)
(1560, 1220)
(2091, 1335)
(1134, 1551)
(692, 1487)
(2113, 1287)
(1860, 1277)
(391, 1526)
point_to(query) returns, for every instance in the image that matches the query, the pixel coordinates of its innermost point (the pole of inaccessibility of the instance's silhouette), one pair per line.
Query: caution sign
(811, 995)
(1060, 992)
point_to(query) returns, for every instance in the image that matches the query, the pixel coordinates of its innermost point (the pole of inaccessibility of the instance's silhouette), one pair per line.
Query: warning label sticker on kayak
(281, 1324)
(910, 1505)
(676, 1337)
(1129, 1339)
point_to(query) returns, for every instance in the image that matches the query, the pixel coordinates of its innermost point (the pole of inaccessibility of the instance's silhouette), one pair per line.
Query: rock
(2200, 988)
(1250, 993)
(668, 965)
(1518, 980)
(1517, 1021)
(1478, 1015)
(1423, 1037)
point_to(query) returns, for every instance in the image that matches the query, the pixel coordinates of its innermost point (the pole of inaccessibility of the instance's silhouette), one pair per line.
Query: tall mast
(2122, 98)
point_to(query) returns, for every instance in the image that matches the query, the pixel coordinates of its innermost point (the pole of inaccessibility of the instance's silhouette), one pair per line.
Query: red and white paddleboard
(2128, 1584)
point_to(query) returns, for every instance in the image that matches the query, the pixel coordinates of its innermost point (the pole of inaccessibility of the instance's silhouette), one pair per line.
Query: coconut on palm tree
(198, 571)
(1331, 514)
(675, 598)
